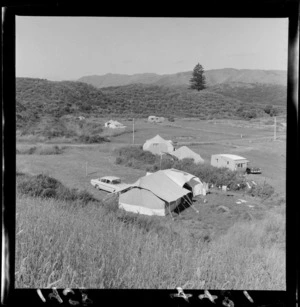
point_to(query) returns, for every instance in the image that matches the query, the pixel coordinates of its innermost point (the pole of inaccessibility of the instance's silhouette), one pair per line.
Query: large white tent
(158, 145)
(155, 194)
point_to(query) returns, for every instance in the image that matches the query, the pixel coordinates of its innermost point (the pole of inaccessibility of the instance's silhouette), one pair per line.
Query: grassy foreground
(64, 245)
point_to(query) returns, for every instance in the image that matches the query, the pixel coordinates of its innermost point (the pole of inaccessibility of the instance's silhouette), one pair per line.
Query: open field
(204, 130)
(215, 226)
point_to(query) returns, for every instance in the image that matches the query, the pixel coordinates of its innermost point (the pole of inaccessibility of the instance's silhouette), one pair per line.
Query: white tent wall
(142, 210)
(130, 205)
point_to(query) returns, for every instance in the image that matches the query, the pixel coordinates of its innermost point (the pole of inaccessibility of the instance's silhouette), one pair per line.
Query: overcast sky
(67, 48)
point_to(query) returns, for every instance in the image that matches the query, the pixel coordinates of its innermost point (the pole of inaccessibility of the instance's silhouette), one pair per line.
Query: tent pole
(184, 202)
(191, 205)
(177, 206)
(170, 211)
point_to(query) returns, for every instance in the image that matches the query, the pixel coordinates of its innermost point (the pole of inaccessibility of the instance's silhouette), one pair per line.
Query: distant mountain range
(213, 77)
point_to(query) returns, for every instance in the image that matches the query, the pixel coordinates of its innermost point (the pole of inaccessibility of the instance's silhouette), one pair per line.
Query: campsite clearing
(224, 229)
(80, 163)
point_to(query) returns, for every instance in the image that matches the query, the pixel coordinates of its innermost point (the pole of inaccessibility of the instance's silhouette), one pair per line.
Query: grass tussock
(92, 247)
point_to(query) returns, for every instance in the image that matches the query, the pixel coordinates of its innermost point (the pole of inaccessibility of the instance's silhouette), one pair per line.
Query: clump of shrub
(49, 150)
(26, 151)
(41, 150)
(89, 139)
(207, 173)
(36, 185)
(270, 110)
(48, 187)
(134, 156)
(263, 191)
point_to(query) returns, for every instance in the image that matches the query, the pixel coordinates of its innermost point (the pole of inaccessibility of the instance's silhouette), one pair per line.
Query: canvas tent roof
(157, 139)
(182, 178)
(232, 157)
(185, 152)
(178, 176)
(162, 186)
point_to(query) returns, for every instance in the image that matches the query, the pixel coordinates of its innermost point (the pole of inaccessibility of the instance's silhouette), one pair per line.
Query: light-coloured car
(109, 184)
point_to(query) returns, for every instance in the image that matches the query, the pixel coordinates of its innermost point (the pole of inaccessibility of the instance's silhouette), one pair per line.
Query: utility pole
(160, 161)
(274, 128)
(133, 131)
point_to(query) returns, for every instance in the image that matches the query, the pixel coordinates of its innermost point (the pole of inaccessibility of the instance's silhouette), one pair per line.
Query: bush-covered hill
(40, 100)
(36, 98)
(181, 102)
(273, 94)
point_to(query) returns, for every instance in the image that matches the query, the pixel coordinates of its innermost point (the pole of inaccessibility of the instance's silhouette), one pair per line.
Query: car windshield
(116, 181)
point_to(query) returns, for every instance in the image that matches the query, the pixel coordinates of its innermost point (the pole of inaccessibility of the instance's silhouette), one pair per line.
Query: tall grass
(251, 255)
(72, 246)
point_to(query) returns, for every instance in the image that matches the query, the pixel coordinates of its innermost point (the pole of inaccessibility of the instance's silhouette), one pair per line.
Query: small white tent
(158, 145)
(185, 152)
(114, 124)
(184, 179)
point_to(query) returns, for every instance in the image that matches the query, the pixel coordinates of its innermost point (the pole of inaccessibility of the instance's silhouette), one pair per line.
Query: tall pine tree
(198, 79)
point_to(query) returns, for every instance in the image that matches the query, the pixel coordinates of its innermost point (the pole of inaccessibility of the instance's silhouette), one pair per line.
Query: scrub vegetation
(40, 150)
(136, 157)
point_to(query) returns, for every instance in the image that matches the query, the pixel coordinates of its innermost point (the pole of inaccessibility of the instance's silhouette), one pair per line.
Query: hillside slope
(36, 98)
(273, 94)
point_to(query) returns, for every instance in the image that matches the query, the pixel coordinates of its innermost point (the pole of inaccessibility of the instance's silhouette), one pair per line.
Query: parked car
(253, 170)
(109, 184)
